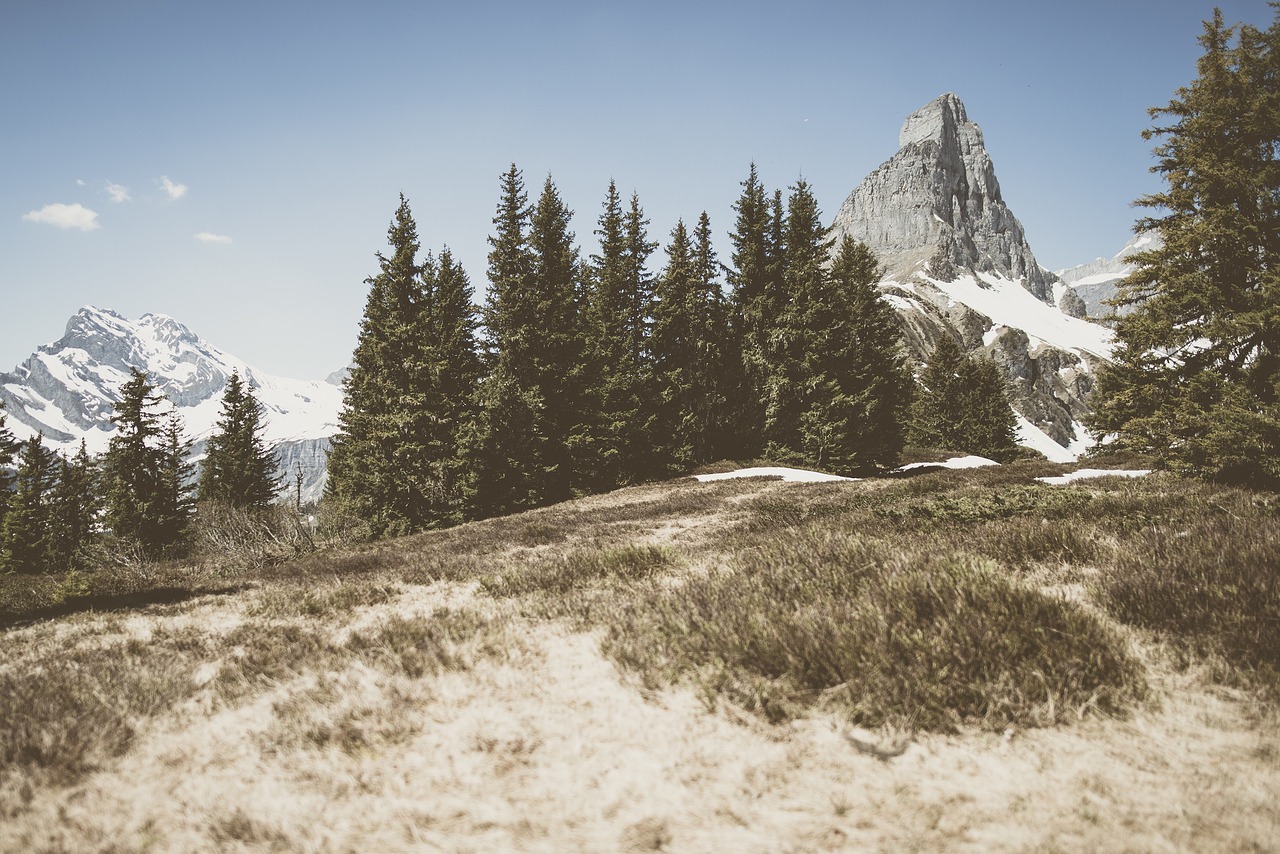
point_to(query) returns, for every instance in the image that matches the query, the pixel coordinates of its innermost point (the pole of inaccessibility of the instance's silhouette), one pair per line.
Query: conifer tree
(754, 313)
(618, 301)
(963, 405)
(8, 449)
(414, 372)
(800, 308)
(239, 470)
(74, 511)
(720, 358)
(679, 389)
(1196, 377)
(26, 536)
(145, 496)
(859, 385)
(528, 432)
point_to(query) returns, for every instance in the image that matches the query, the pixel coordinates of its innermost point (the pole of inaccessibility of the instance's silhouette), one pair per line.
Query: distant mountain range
(957, 263)
(67, 390)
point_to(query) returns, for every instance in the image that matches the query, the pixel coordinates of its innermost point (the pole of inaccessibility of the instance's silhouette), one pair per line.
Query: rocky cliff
(958, 263)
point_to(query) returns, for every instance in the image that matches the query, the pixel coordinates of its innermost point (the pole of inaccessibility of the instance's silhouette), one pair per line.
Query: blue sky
(235, 164)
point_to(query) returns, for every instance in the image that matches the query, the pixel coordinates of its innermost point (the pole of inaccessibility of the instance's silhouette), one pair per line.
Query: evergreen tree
(801, 308)
(720, 359)
(528, 431)
(74, 511)
(26, 536)
(144, 474)
(617, 370)
(854, 413)
(963, 405)
(8, 450)
(754, 312)
(414, 373)
(1196, 377)
(680, 390)
(239, 470)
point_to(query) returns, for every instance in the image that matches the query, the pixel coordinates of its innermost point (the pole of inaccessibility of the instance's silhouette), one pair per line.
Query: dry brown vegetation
(958, 660)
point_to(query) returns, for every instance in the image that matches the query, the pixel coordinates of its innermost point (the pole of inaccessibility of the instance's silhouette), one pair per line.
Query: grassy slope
(962, 660)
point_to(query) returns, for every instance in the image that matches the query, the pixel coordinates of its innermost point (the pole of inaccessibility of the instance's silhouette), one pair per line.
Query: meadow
(958, 659)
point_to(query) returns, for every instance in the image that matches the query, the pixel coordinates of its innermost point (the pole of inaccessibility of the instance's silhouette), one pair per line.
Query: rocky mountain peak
(936, 204)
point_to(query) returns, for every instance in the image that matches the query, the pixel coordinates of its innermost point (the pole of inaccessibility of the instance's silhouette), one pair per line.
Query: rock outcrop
(937, 200)
(958, 263)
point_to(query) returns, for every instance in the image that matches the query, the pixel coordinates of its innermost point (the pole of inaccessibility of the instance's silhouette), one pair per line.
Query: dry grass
(682, 667)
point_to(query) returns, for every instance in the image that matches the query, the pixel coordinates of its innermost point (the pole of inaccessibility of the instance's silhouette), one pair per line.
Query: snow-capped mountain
(67, 390)
(1098, 280)
(958, 263)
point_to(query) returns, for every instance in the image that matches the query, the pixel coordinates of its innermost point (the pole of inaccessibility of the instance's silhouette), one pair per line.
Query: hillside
(951, 660)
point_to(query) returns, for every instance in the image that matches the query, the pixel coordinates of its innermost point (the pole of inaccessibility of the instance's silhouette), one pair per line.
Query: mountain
(1098, 280)
(957, 262)
(67, 390)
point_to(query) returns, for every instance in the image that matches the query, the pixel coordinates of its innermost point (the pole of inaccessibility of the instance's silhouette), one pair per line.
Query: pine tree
(528, 432)
(963, 405)
(364, 473)
(8, 450)
(74, 511)
(721, 361)
(679, 385)
(754, 312)
(618, 304)
(792, 363)
(854, 416)
(397, 461)
(26, 536)
(1196, 377)
(145, 476)
(239, 470)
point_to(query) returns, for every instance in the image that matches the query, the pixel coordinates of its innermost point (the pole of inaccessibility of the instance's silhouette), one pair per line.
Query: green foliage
(26, 534)
(618, 300)
(396, 462)
(145, 478)
(531, 415)
(8, 450)
(1196, 379)
(963, 405)
(691, 376)
(239, 470)
(74, 512)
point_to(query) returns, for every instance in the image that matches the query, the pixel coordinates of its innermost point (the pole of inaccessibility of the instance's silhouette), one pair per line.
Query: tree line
(138, 499)
(583, 374)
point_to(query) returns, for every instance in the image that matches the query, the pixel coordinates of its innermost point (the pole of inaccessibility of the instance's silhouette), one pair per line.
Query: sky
(235, 165)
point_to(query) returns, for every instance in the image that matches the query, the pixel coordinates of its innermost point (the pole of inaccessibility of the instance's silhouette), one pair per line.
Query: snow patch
(969, 462)
(1084, 474)
(787, 474)
(1007, 303)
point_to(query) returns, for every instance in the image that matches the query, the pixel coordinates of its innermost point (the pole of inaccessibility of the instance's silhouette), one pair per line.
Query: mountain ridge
(67, 389)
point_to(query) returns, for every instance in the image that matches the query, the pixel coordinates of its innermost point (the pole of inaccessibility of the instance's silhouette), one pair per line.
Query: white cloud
(118, 193)
(210, 237)
(64, 216)
(175, 191)
(80, 182)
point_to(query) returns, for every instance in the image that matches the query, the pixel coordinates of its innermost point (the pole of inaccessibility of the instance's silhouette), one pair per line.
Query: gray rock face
(937, 200)
(1099, 280)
